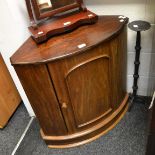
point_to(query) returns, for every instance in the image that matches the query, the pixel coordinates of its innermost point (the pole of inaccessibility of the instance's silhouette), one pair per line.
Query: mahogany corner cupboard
(76, 82)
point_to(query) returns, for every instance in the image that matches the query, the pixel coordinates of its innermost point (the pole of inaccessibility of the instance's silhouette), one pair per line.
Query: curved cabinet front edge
(89, 135)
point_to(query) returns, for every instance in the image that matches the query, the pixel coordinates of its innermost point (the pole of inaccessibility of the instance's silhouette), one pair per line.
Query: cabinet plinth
(76, 82)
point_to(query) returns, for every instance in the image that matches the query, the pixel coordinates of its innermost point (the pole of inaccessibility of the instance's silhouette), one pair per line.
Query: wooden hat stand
(49, 22)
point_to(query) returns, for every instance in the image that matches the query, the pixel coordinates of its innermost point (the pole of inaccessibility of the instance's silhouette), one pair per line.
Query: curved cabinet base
(89, 134)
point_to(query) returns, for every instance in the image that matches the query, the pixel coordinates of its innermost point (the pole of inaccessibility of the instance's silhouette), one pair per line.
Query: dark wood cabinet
(76, 82)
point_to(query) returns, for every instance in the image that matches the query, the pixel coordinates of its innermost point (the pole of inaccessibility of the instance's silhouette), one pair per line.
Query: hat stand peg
(137, 26)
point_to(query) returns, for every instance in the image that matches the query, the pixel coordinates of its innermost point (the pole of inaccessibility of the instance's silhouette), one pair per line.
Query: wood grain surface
(66, 45)
(76, 82)
(9, 96)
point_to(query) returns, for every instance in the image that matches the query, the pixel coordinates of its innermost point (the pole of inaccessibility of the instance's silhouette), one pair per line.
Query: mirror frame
(42, 27)
(39, 16)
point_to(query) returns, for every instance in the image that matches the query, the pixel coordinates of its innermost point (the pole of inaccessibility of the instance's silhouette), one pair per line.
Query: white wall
(135, 10)
(13, 32)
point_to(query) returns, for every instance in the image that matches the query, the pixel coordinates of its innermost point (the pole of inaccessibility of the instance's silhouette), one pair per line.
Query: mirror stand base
(61, 24)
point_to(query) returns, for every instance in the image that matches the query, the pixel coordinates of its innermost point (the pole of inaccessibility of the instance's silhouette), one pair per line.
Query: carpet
(10, 135)
(129, 137)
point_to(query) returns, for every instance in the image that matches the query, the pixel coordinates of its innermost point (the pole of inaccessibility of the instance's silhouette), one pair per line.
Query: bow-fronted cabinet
(76, 82)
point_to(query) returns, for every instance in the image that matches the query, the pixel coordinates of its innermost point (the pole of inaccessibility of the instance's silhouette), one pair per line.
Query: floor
(10, 135)
(127, 138)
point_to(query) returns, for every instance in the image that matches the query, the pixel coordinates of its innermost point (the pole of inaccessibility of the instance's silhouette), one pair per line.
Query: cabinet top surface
(68, 44)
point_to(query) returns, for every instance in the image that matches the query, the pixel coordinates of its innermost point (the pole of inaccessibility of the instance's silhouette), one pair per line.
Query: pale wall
(13, 32)
(135, 10)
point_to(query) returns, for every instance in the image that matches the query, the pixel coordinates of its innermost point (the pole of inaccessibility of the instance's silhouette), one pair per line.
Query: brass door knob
(64, 105)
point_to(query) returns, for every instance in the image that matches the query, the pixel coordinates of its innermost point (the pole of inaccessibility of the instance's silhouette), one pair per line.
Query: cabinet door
(39, 89)
(83, 86)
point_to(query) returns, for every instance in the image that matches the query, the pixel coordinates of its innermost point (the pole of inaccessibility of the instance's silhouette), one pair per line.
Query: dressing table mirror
(51, 17)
